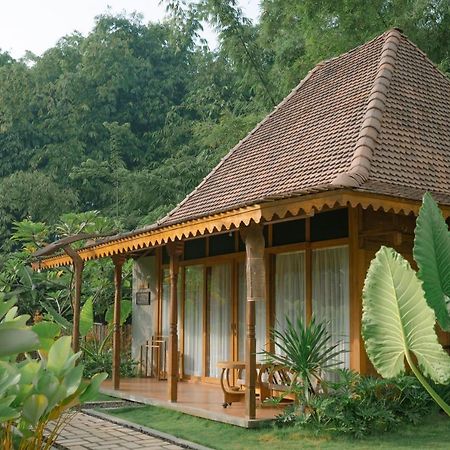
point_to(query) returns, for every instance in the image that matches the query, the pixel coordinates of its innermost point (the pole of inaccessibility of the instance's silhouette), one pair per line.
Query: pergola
(78, 265)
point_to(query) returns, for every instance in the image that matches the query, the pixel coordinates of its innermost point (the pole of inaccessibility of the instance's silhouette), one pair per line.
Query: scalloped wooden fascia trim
(306, 205)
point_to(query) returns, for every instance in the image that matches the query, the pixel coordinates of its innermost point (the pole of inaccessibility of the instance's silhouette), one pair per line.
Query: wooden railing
(100, 331)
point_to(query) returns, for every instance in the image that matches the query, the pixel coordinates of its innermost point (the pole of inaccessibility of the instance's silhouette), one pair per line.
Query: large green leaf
(58, 318)
(92, 389)
(125, 311)
(5, 306)
(6, 411)
(9, 376)
(60, 352)
(17, 340)
(397, 320)
(34, 407)
(47, 332)
(432, 254)
(73, 379)
(86, 317)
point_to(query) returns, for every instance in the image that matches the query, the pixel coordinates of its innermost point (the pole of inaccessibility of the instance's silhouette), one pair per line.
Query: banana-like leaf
(125, 311)
(60, 320)
(397, 320)
(9, 376)
(73, 379)
(432, 254)
(86, 317)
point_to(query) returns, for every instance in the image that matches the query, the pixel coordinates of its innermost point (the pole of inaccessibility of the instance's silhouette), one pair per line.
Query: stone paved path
(88, 432)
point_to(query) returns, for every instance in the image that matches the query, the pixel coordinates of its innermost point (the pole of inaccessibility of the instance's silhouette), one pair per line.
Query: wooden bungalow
(288, 221)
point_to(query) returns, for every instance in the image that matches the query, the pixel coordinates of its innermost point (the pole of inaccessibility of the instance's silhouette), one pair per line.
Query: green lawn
(104, 398)
(433, 433)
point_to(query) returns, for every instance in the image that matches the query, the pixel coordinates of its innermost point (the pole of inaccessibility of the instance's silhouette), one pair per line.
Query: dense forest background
(127, 120)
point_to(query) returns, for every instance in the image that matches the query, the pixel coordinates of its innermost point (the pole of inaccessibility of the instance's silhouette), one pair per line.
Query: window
(289, 232)
(330, 290)
(221, 244)
(195, 248)
(289, 288)
(329, 225)
(219, 316)
(193, 321)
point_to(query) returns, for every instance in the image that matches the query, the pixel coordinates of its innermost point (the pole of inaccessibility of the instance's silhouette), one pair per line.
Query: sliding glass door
(330, 295)
(165, 303)
(290, 288)
(193, 321)
(220, 310)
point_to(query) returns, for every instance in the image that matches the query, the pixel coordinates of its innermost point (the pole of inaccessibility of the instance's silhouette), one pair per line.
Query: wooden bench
(275, 381)
(232, 381)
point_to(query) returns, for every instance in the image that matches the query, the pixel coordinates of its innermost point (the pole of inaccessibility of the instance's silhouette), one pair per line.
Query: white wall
(144, 316)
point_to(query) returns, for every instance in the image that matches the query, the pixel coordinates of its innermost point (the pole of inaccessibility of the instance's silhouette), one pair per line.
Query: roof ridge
(360, 165)
(259, 124)
(248, 135)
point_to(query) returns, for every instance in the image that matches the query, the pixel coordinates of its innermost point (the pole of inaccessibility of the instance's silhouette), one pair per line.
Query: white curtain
(289, 288)
(219, 317)
(330, 292)
(260, 318)
(165, 302)
(193, 321)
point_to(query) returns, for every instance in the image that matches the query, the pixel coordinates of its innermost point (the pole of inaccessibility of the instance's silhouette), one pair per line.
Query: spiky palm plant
(306, 349)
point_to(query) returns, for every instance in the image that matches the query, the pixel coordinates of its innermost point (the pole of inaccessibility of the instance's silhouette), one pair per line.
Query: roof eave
(265, 211)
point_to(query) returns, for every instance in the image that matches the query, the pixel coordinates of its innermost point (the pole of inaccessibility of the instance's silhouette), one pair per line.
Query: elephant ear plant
(38, 389)
(400, 306)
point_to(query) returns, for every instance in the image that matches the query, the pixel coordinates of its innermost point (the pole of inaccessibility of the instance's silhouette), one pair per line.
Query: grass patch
(434, 433)
(104, 398)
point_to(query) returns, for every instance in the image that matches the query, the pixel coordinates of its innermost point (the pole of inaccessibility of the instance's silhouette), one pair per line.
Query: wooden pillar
(256, 284)
(118, 263)
(78, 265)
(175, 249)
(356, 282)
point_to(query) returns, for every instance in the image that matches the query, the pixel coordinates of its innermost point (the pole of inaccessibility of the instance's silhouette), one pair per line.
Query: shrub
(359, 405)
(95, 362)
(40, 381)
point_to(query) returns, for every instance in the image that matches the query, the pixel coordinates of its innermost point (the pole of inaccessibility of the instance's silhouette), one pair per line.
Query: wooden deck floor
(197, 399)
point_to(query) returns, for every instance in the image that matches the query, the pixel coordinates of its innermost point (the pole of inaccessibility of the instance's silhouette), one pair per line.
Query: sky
(37, 25)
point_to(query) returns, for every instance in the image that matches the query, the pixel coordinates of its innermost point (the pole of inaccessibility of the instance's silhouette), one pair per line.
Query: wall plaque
(143, 297)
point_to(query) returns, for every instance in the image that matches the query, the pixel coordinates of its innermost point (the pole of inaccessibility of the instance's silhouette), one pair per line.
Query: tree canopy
(128, 119)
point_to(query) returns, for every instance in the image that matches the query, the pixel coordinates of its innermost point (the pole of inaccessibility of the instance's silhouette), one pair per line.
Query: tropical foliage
(37, 388)
(358, 405)
(50, 292)
(136, 108)
(127, 120)
(306, 349)
(398, 324)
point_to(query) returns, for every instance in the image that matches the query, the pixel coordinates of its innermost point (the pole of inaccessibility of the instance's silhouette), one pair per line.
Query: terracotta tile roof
(375, 119)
